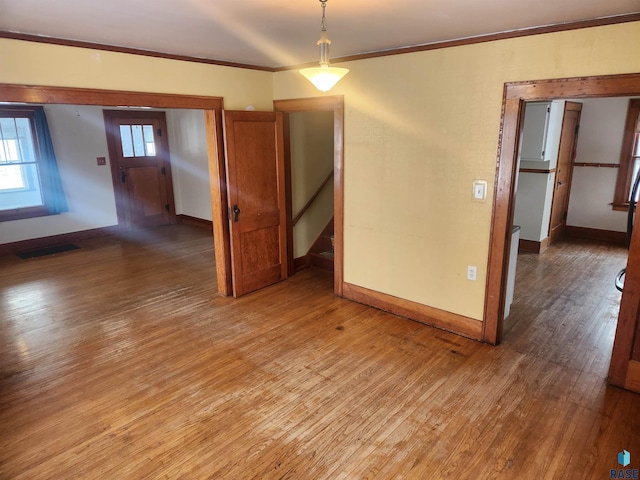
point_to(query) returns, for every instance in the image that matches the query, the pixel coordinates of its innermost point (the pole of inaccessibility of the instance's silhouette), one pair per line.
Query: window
(137, 141)
(29, 180)
(629, 157)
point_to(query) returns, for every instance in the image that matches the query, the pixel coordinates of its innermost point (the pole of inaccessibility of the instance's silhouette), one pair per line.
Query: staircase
(321, 252)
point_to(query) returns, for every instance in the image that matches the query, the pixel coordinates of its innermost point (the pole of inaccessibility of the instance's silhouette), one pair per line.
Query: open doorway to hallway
(314, 161)
(311, 172)
(588, 175)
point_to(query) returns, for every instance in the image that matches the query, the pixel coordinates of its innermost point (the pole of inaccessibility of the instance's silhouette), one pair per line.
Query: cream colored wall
(419, 128)
(54, 65)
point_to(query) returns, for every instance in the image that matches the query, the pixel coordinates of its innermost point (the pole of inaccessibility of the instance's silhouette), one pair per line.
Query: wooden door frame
(212, 107)
(570, 180)
(515, 94)
(333, 103)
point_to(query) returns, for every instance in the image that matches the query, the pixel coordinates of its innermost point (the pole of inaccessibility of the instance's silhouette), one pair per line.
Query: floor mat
(41, 252)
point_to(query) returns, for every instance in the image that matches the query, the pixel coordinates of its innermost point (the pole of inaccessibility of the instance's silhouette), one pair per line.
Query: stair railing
(304, 209)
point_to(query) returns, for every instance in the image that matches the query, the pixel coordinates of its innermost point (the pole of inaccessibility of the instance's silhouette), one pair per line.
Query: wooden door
(254, 146)
(624, 370)
(140, 166)
(564, 170)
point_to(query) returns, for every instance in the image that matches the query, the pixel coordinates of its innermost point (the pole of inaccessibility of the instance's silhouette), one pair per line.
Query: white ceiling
(275, 33)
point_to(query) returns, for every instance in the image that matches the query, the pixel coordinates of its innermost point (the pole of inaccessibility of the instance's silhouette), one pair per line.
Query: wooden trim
(434, 317)
(301, 263)
(25, 37)
(525, 32)
(515, 94)
(623, 85)
(535, 170)
(622, 191)
(336, 104)
(312, 199)
(219, 201)
(195, 221)
(288, 193)
(531, 246)
(596, 165)
(41, 242)
(88, 96)
(619, 238)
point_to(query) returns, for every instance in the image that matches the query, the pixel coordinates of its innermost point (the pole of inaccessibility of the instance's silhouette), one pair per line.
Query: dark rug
(41, 252)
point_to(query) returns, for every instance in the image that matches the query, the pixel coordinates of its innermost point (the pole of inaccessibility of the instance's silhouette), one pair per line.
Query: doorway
(333, 104)
(503, 208)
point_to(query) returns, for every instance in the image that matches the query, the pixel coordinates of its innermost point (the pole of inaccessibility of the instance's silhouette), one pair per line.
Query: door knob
(236, 213)
(123, 175)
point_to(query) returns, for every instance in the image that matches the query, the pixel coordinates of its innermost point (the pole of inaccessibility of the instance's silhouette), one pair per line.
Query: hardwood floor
(118, 361)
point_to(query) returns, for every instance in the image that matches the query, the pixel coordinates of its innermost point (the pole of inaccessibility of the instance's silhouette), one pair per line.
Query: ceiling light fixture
(325, 76)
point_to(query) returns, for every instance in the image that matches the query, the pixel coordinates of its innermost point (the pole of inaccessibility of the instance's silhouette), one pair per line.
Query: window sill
(22, 213)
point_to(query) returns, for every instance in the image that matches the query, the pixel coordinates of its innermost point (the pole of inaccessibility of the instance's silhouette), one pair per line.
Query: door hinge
(163, 171)
(159, 132)
(577, 129)
(564, 216)
(167, 207)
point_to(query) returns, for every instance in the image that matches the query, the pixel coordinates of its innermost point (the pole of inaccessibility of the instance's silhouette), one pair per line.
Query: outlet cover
(479, 190)
(472, 272)
(101, 161)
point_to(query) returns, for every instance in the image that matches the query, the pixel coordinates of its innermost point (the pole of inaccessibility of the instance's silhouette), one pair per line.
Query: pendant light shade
(325, 76)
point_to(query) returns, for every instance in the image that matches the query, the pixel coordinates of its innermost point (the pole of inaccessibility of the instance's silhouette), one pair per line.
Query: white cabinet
(540, 137)
(534, 131)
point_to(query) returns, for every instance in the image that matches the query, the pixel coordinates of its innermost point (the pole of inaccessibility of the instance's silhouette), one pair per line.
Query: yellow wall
(53, 65)
(419, 128)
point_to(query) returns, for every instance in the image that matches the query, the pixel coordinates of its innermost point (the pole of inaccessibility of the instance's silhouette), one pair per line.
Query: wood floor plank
(118, 360)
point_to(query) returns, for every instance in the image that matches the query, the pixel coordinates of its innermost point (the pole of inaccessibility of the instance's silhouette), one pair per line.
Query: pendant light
(325, 76)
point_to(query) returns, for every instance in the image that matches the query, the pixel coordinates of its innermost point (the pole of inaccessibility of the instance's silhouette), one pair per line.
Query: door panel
(139, 152)
(255, 185)
(564, 170)
(145, 193)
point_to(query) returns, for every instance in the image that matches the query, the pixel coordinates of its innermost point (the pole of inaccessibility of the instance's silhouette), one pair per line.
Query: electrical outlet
(472, 272)
(101, 161)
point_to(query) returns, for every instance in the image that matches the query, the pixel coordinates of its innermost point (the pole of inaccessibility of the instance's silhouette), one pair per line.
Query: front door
(140, 166)
(254, 146)
(564, 171)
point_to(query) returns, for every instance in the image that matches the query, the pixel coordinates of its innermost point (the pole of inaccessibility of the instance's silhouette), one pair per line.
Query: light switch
(480, 190)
